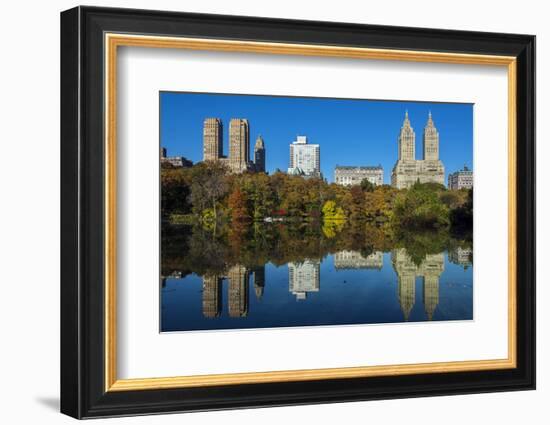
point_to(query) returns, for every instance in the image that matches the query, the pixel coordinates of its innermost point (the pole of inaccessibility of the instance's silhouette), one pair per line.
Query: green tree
(356, 205)
(462, 216)
(367, 185)
(175, 190)
(420, 208)
(379, 203)
(450, 198)
(258, 189)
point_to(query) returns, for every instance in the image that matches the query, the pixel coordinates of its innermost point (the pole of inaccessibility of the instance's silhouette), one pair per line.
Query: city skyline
(350, 132)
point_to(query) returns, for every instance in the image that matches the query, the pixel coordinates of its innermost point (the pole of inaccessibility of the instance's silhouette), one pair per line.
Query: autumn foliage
(208, 192)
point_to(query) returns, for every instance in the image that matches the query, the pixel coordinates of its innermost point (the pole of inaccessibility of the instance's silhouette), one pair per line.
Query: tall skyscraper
(406, 140)
(238, 278)
(259, 155)
(430, 294)
(408, 170)
(305, 158)
(238, 160)
(211, 296)
(406, 293)
(430, 141)
(212, 139)
(239, 145)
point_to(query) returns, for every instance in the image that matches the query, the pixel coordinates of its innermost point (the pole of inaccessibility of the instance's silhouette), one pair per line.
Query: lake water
(306, 277)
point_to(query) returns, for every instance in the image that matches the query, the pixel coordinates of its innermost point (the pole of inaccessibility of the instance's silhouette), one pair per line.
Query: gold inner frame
(113, 41)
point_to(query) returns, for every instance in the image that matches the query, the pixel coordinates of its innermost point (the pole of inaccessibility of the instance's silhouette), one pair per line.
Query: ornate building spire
(406, 140)
(406, 122)
(430, 140)
(430, 121)
(259, 155)
(408, 170)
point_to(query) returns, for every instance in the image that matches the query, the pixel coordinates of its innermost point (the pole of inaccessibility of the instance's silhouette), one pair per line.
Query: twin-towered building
(238, 160)
(430, 270)
(238, 279)
(408, 170)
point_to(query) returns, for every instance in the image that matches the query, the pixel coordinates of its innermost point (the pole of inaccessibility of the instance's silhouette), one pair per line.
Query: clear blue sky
(349, 132)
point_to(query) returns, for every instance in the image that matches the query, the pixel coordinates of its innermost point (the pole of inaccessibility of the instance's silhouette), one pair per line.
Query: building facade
(259, 155)
(409, 170)
(212, 134)
(305, 158)
(461, 256)
(211, 296)
(238, 277)
(304, 277)
(345, 260)
(407, 271)
(239, 145)
(258, 274)
(238, 280)
(462, 179)
(238, 160)
(174, 161)
(350, 176)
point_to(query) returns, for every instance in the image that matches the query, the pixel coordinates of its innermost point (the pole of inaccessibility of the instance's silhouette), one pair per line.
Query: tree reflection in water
(238, 255)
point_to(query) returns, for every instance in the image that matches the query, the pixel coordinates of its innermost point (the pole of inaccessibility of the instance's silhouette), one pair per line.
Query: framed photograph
(261, 212)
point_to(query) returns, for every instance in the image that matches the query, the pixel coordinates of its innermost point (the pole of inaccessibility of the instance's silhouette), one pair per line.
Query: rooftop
(358, 167)
(466, 170)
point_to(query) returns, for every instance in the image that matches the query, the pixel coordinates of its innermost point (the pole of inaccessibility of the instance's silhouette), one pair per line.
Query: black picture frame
(83, 392)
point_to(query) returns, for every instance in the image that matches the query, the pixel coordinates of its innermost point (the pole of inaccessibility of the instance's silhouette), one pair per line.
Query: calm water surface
(277, 276)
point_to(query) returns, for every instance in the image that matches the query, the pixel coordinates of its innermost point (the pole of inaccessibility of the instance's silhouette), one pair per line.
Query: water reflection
(268, 277)
(462, 256)
(355, 260)
(304, 277)
(429, 270)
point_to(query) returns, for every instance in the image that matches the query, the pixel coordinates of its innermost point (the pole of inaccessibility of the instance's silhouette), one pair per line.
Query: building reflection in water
(238, 277)
(211, 296)
(344, 260)
(238, 281)
(430, 269)
(304, 277)
(258, 274)
(461, 256)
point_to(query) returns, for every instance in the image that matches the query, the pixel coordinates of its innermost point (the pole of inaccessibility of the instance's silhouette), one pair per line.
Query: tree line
(193, 249)
(208, 194)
